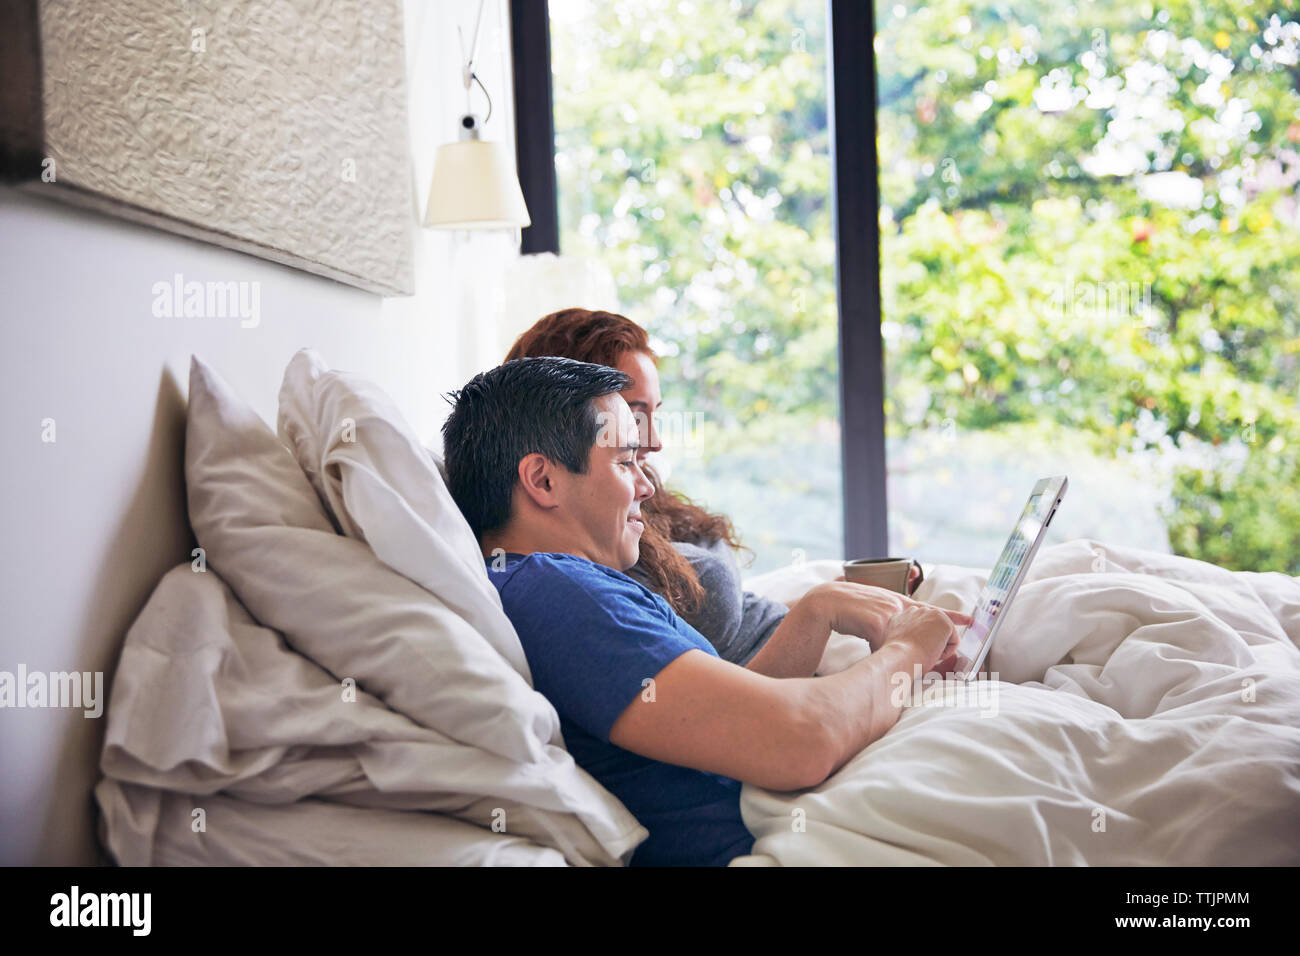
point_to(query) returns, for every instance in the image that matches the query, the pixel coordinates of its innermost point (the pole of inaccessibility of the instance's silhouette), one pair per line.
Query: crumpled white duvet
(1147, 712)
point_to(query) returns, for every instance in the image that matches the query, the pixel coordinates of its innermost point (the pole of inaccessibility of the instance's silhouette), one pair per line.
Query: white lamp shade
(475, 187)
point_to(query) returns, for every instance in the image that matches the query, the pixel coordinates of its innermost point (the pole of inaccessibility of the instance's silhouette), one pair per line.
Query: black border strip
(22, 113)
(855, 185)
(530, 39)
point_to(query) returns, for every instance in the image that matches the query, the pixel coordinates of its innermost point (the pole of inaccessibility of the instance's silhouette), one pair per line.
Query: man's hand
(929, 628)
(948, 663)
(879, 616)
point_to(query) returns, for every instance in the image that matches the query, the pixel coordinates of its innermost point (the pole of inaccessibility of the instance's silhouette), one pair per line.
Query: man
(541, 458)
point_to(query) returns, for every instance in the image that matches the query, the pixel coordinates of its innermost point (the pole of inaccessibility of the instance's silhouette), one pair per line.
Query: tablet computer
(1004, 580)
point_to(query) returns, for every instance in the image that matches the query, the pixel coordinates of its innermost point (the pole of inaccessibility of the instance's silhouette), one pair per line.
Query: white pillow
(143, 826)
(265, 532)
(209, 710)
(381, 487)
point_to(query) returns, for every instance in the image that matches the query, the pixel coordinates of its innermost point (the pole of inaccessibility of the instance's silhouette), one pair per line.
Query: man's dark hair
(527, 405)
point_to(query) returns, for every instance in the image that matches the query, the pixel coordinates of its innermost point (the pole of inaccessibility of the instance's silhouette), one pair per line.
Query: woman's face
(643, 397)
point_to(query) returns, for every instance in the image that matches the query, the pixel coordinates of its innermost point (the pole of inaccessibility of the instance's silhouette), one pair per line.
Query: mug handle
(920, 577)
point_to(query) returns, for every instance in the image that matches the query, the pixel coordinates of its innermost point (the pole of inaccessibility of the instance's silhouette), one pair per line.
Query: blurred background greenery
(1090, 259)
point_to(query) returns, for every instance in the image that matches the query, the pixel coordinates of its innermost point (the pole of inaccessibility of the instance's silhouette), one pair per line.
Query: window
(692, 155)
(1089, 262)
(1091, 259)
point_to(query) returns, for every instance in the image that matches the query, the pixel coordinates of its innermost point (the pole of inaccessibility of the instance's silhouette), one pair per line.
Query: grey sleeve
(760, 618)
(736, 622)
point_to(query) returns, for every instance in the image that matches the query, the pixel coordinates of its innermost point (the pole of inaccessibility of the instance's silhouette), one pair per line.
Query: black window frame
(851, 92)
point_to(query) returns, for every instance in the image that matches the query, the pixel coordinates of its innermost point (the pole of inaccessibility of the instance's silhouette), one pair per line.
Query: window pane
(693, 157)
(1091, 259)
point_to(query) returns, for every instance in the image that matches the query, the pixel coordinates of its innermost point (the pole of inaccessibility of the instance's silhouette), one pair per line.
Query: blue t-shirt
(592, 635)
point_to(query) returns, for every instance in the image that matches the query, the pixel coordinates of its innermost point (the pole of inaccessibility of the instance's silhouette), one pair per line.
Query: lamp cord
(469, 62)
(474, 77)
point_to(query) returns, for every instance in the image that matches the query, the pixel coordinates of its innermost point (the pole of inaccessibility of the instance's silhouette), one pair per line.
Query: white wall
(91, 521)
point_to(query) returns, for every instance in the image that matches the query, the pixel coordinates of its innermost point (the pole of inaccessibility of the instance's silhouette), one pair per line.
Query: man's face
(604, 505)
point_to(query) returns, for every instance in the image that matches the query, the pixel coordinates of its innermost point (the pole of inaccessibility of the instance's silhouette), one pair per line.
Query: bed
(331, 680)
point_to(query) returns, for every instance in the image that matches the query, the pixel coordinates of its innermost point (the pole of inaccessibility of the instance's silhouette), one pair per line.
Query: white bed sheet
(1147, 712)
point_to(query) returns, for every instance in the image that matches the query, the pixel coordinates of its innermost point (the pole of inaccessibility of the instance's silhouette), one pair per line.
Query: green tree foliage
(693, 157)
(1088, 214)
(1089, 218)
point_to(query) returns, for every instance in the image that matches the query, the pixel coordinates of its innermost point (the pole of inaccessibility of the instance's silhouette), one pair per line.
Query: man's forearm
(796, 646)
(855, 707)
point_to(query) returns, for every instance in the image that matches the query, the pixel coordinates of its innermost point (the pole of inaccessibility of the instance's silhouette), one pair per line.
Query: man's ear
(537, 479)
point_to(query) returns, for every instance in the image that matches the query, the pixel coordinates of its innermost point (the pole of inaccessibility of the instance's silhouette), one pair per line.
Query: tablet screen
(994, 596)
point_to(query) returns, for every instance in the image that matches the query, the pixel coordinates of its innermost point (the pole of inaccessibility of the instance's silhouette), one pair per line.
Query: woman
(687, 553)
